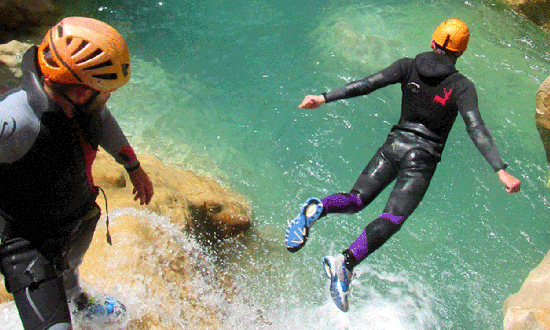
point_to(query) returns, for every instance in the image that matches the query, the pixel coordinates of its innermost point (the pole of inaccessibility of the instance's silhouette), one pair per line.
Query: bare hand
(143, 187)
(512, 184)
(312, 102)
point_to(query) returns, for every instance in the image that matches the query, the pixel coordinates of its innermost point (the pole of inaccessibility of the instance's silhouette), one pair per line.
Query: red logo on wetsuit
(442, 100)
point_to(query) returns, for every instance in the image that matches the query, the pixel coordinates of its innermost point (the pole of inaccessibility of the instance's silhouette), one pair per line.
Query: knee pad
(44, 306)
(23, 266)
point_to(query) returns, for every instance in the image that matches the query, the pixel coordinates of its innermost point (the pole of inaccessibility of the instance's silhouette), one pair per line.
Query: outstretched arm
(390, 75)
(482, 138)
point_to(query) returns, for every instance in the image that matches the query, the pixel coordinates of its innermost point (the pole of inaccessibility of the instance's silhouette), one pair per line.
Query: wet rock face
(25, 14)
(11, 55)
(542, 115)
(537, 11)
(22, 23)
(196, 203)
(529, 308)
(213, 220)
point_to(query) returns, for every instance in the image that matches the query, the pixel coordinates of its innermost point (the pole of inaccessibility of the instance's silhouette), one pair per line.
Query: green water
(215, 88)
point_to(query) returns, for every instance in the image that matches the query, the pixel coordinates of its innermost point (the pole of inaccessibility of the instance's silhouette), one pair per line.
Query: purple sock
(342, 203)
(397, 219)
(359, 248)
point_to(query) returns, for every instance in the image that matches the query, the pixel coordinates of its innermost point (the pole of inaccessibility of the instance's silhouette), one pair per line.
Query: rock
(22, 20)
(24, 14)
(161, 271)
(197, 203)
(538, 11)
(542, 115)
(529, 308)
(11, 55)
(213, 221)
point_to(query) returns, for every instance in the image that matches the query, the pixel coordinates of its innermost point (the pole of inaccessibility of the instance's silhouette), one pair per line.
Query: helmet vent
(47, 55)
(101, 65)
(107, 76)
(60, 31)
(125, 69)
(91, 56)
(80, 47)
(68, 41)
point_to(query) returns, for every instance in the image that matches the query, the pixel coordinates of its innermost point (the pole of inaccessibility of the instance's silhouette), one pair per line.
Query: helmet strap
(447, 41)
(81, 107)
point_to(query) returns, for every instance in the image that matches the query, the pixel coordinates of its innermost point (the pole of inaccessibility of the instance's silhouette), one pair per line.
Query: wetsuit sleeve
(393, 74)
(19, 128)
(115, 142)
(479, 133)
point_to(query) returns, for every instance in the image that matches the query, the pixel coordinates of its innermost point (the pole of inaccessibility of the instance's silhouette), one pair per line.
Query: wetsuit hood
(41, 103)
(32, 83)
(432, 66)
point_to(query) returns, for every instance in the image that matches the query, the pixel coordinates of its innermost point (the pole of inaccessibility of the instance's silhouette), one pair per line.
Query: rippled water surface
(215, 88)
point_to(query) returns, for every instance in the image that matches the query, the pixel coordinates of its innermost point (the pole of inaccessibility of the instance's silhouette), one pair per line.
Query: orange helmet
(85, 51)
(453, 34)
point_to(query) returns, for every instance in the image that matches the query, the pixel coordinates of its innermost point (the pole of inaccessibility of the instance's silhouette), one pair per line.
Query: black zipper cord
(107, 216)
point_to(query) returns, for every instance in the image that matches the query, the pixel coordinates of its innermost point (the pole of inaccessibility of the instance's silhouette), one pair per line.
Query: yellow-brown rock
(538, 11)
(197, 203)
(542, 115)
(11, 54)
(529, 308)
(147, 255)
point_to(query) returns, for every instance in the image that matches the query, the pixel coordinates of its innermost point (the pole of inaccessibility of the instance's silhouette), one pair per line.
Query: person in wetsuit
(52, 126)
(433, 94)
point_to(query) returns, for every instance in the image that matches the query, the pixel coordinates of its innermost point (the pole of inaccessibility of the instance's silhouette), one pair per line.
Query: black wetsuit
(47, 195)
(434, 93)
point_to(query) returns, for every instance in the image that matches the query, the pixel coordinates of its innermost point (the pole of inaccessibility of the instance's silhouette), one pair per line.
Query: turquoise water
(215, 88)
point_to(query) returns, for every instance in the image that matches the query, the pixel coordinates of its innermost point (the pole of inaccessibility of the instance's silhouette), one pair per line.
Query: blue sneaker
(108, 310)
(340, 280)
(298, 229)
(109, 306)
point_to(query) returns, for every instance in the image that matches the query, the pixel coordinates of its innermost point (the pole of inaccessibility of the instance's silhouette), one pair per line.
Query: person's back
(430, 96)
